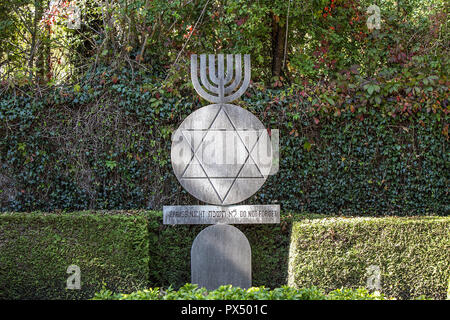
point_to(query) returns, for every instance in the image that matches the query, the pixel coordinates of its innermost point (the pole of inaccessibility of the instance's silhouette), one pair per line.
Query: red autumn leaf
(445, 131)
(240, 21)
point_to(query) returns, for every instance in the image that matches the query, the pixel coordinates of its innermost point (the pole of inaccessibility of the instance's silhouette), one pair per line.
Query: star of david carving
(222, 176)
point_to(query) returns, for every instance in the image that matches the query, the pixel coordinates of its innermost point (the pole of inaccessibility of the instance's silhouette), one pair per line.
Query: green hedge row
(127, 251)
(123, 250)
(412, 254)
(36, 250)
(192, 292)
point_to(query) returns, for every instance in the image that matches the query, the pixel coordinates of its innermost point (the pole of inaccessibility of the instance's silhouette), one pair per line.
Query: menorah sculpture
(220, 85)
(221, 154)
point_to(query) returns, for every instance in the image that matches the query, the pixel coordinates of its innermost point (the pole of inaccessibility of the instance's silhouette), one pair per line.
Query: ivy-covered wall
(107, 146)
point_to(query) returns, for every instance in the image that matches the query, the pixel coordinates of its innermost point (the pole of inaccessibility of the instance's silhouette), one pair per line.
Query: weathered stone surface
(221, 255)
(221, 154)
(244, 214)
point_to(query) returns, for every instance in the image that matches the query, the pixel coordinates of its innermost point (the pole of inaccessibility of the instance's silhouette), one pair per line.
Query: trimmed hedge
(127, 251)
(413, 254)
(123, 250)
(192, 292)
(37, 248)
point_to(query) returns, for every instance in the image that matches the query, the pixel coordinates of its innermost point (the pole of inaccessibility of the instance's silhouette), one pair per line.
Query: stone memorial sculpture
(221, 154)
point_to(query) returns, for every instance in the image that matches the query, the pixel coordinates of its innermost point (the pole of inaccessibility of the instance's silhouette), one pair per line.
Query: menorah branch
(215, 88)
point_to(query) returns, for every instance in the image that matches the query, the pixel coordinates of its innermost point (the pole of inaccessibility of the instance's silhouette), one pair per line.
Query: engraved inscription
(244, 214)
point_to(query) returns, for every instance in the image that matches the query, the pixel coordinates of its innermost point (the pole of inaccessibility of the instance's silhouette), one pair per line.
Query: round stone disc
(221, 154)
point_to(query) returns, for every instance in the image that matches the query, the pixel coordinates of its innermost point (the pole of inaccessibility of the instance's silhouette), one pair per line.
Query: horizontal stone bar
(241, 214)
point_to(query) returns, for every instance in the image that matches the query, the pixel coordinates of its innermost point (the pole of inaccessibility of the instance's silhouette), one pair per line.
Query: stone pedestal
(221, 255)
